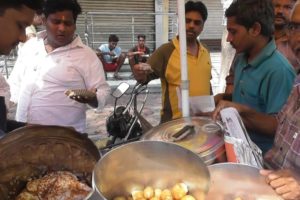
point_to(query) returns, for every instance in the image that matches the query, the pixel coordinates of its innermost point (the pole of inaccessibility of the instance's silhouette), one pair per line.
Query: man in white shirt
(53, 62)
(31, 30)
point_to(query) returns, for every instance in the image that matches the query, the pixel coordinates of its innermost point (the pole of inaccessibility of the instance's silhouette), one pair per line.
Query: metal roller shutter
(124, 18)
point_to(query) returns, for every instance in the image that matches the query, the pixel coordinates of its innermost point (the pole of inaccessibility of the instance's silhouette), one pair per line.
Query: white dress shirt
(41, 78)
(4, 90)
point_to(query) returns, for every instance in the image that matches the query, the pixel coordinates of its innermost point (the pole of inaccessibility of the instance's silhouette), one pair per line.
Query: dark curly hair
(197, 6)
(248, 12)
(17, 4)
(141, 36)
(113, 38)
(53, 6)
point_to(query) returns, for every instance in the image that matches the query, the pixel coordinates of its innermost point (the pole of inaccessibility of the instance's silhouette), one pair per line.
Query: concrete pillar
(161, 22)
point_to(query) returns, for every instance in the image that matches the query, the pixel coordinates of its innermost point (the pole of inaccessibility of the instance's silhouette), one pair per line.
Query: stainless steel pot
(30, 152)
(201, 135)
(148, 163)
(231, 180)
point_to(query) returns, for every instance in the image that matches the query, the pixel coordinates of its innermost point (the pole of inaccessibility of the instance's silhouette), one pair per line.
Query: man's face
(112, 45)
(294, 31)
(141, 42)
(282, 11)
(60, 28)
(194, 25)
(238, 36)
(13, 23)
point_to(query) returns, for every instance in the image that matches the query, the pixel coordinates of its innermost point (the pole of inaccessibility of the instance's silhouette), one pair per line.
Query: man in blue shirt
(263, 78)
(111, 56)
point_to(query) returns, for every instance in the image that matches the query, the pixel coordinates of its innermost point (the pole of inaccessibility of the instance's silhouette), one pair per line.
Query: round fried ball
(179, 190)
(188, 197)
(148, 192)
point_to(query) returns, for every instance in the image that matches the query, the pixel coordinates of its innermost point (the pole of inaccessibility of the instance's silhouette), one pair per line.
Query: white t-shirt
(41, 78)
(105, 48)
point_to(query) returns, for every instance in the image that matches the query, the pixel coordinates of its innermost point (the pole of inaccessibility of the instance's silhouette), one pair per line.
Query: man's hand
(221, 105)
(141, 71)
(226, 104)
(84, 96)
(284, 182)
(111, 53)
(218, 98)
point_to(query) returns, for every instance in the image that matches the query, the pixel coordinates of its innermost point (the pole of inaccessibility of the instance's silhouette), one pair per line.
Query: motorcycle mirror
(120, 90)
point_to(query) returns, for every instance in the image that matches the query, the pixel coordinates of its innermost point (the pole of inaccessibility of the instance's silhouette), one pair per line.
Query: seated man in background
(54, 61)
(139, 53)
(111, 56)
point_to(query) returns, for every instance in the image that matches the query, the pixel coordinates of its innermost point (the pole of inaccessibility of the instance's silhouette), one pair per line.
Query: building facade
(156, 19)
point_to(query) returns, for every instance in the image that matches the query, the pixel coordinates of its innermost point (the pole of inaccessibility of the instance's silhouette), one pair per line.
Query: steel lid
(199, 134)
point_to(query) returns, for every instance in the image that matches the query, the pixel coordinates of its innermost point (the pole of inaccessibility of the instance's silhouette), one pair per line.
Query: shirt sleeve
(102, 48)
(95, 78)
(118, 51)
(147, 50)
(16, 78)
(159, 61)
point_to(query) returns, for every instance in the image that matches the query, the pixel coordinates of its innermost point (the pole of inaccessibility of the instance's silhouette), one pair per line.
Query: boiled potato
(166, 195)
(157, 193)
(120, 198)
(137, 195)
(179, 190)
(188, 197)
(237, 198)
(155, 198)
(148, 192)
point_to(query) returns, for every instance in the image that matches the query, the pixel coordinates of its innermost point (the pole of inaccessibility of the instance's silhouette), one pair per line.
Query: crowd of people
(265, 87)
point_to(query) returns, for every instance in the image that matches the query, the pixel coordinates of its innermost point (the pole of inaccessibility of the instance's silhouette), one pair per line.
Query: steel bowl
(149, 163)
(233, 181)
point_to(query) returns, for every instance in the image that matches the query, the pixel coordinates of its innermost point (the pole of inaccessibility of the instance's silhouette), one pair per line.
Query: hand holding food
(81, 95)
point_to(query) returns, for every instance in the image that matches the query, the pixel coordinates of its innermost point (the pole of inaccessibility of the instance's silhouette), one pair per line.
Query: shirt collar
(266, 52)
(176, 44)
(74, 44)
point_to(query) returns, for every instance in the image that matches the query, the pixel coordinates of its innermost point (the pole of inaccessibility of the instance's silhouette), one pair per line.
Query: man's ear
(255, 30)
